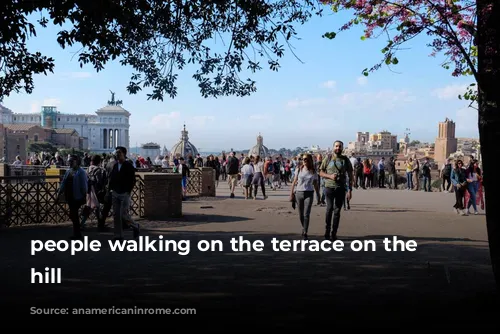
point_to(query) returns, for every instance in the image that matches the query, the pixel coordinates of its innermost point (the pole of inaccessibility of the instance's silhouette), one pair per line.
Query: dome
(259, 149)
(183, 148)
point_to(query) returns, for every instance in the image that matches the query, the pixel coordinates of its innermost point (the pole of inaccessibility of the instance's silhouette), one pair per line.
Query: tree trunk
(488, 43)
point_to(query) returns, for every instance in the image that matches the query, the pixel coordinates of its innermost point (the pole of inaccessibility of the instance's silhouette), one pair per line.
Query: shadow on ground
(440, 283)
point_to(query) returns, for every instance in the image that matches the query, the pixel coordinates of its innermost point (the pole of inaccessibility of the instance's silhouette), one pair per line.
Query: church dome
(184, 147)
(259, 149)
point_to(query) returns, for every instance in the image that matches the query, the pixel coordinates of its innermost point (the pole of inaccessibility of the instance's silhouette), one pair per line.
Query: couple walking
(337, 172)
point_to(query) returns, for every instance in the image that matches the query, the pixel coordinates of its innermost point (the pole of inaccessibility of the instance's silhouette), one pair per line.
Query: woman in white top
(247, 172)
(304, 185)
(258, 177)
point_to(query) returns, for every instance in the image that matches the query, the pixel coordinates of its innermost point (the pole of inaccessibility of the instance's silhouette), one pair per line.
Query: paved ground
(447, 281)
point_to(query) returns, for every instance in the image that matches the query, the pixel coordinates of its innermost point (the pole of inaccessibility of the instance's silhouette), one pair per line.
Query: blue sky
(310, 103)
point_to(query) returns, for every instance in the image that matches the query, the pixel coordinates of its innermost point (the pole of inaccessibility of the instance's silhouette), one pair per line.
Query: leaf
(395, 61)
(363, 38)
(330, 35)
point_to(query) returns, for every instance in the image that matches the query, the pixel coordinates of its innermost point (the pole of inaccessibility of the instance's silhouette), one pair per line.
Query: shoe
(232, 195)
(305, 237)
(265, 197)
(333, 238)
(476, 213)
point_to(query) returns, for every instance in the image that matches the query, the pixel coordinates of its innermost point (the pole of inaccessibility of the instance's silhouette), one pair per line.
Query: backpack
(270, 167)
(447, 170)
(232, 166)
(98, 180)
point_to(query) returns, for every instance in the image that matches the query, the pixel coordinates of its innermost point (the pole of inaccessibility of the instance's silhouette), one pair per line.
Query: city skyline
(314, 102)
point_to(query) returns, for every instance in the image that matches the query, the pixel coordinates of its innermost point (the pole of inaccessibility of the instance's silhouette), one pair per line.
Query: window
(67, 119)
(15, 118)
(35, 137)
(58, 119)
(77, 119)
(31, 118)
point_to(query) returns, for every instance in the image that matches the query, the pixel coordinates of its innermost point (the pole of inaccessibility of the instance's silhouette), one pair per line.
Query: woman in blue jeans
(473, 175)
(304, 184)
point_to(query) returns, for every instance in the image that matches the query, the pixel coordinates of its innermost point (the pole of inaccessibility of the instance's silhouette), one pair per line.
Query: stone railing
(27, 200)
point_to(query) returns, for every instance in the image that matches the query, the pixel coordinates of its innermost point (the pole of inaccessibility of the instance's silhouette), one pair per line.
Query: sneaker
(232, 195)
(456, 211)
(476, 213)
(265, 197)
(464, 213)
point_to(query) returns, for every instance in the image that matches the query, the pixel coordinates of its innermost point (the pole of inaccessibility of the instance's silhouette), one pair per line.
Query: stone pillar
(162, 195)
(207, 182)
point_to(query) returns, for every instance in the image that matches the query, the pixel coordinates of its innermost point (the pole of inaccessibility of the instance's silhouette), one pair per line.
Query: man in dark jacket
(121, 184)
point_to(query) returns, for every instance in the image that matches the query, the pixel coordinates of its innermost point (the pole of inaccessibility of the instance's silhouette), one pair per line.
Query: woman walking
(473, 175)
(459, 182)
(247, 177)
(304, 185)
(258, 177)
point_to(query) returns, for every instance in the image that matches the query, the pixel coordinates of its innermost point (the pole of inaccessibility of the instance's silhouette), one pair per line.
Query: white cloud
(362, 81)
(76, 75)
(356, 101)
(200, 121)
(165, 121)
(449, 92)
(330, 84)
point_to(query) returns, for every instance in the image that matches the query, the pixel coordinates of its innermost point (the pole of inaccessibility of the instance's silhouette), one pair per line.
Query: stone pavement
(447, 281)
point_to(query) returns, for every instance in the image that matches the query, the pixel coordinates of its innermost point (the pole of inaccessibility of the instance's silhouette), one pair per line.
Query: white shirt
(247, 170)
(305, 181)
(259, 167)
(164, 163)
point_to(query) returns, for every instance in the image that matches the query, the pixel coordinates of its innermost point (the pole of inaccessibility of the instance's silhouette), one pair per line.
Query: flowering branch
(451, 25)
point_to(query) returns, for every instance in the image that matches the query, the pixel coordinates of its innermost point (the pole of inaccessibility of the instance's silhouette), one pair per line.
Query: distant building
(446, 143)
(259, 148)
(150, 150)
(184, 148)
(104, 130)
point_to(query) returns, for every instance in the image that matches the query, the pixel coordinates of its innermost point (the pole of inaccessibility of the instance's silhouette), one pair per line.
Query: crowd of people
(109, 179)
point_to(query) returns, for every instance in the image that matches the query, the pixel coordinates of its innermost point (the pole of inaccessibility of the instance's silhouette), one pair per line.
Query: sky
(312, 101)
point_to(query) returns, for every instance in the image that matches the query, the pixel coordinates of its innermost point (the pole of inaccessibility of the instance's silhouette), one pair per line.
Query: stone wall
(162, 195)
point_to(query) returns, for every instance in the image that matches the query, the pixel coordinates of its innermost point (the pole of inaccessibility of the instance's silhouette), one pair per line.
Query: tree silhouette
(155, 38)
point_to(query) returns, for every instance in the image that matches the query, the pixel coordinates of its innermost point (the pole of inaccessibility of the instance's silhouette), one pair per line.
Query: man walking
(121, 184)
(334, 170)
(232, 172)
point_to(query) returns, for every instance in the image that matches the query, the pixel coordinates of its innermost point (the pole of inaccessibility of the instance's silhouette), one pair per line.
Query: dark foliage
(156, 38)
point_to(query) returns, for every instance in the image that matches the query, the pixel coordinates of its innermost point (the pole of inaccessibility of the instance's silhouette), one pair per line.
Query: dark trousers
(334, 201)
(105, 211)
(446, 179)
(459, 196)
(74, 208)
(258, 180)
(381, 179)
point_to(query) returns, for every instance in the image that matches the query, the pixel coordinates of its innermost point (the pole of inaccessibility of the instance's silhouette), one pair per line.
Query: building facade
(446, 142)
(103, 131)
(150, 150)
